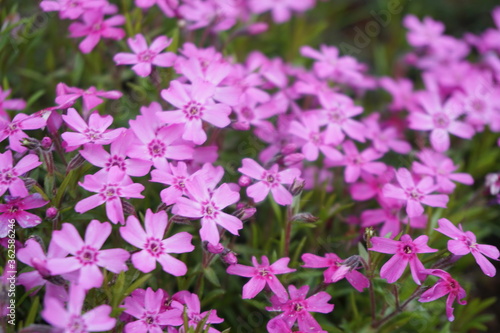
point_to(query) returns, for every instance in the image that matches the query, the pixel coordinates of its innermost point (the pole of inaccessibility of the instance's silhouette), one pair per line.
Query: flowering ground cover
(249, 166)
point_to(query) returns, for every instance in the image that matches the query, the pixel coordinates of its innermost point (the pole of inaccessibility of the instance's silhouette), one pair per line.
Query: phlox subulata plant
(217, 166)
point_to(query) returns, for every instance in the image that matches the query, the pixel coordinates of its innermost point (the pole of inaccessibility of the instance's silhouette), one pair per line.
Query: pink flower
(440, 120)
(97, 156)
(15, 208)
(308, 130)
(154, 246)
(71, 320)
(464, 242)
(194, 104)
(405, 251)
(269, 180)
(441, 168)
(110, 186)
(208, 206)
(415, 195)
(384, 139)
(281, 10)
(149, 312)
(9, 104)
(144, 57)
(401, 91)
(33, 255)
(191, 303)
(278, 325)
(95, 132)
(94, 27)
(168, 7)
(67, 96)
(72, 9)
(173, 175)
(337, 269)
(87, 255)
(298, 308)
(10, 176)
(445, 286)
(262, 274)
(14, 129)
(356, 162)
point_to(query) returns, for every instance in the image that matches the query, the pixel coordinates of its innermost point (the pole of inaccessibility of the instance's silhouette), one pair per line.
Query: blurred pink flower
(9, 175)
(15, 208)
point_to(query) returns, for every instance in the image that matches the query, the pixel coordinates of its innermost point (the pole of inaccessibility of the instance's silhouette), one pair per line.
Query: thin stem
(288, 230)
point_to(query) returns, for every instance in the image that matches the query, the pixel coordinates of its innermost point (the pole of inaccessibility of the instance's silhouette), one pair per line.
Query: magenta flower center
(77, 325)
(355, 159)
(247, 113)
(180, 183)
(414, 194)
(193, 110)
(116, 160)
(97, 27)
(441, 120)
(315, 137)
(263, 272)
(336, 116)
(92, 135)
(271, 179)
(87, 255)
(146, 56)
(13, 209)
(297, 306)
(7, 176)
(157, 148)
(154, 247)
(478, 105)
(209, 210)
(110, 191)
(12, 128)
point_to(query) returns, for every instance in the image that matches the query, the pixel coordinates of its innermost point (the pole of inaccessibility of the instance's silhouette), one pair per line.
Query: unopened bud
(46, 143)
(128, 208)
(353, 262)
(244, 181)
(245, 213)
(180, 220)
(297, 186)
(41, 267)
(257, 28)
(75, 162)
(30, 143)
(229, 257)
(289, 149)
(29, 182)
(215, 249)
(241, 125)
(304, 218)
(293, 159)
(51, 213)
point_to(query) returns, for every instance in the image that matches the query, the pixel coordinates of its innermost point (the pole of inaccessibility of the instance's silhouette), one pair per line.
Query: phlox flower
(371, 185)
(191, 303)
(71, 319)
(278, 325)
(414, 195)
(281, 10)
(269, 180)
(153, 246)
(72, 9)
(337, 269)
(150, 313)
(464, 242)
(426, 33)
(384, 139)
(445, 286)
(9, 104)
(441, 168)
(145, 57)
(207, 206)
(87, 255)
(194, 105)
(95, 132)
(440, 120)
(168, 7)
(298, 308)
(110, 187)
(34, 256)
(15, 208)
(10, 175)
(14, 130)
(401, 91)
(67, 96)
(261, 275)
(405, 251)
(94, 27)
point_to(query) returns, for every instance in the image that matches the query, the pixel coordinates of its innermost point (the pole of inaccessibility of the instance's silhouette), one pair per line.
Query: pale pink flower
(425, 33)
(261, 275)
(10, 176)
(87, 254)
(281, 10)
(9, 104)
(94, 27)
(15, 208)
(154, 248)
(14, 130)
(71, 319)
(72, 9)
(405, 251)
(415, 195)
(269, 180)
(67, 96)
(145, 57)
(191, 303)
(110, 187)
(464, 242)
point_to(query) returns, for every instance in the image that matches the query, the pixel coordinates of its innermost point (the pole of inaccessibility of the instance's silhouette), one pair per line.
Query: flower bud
(304, 218)
(75, 162)
(30, 143)
(241, 125)
(51, 213)
(244, 181)
(229, 257)
(297, 186)
(289, 149)
(257, 28)
(353, 262)
(292, 159)
(46, 143)
(245, 213)
(215, 249)
(128, 208)
(180, 220)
